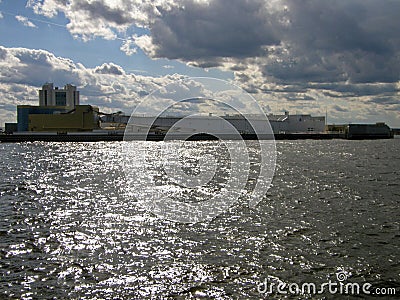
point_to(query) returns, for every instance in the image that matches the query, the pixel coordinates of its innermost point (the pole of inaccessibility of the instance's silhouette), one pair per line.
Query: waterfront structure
(360, 131)
(81, 118)
(54, 96)
(280, 124)
(10, 127)
(24, 111)
(57, 118)
(58, 110)
(59, 113)
(297, 123)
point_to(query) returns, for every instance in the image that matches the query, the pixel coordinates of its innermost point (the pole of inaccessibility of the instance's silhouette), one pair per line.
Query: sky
(340, 57)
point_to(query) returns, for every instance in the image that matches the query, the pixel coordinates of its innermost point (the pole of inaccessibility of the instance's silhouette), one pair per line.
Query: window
(61, 98)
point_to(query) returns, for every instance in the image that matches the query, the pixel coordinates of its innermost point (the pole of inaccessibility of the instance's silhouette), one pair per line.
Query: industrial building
(304, 123)
(58, 111)
(81, 118)
(280, 124)
(54, 96)
(360, 131)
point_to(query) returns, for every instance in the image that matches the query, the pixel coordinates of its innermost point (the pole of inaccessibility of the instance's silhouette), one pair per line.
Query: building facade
(82, 118)
(58, 110)
(53, 96)
(280, 124)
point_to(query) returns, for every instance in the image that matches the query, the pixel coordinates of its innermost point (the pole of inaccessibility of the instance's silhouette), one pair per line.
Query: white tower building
(50, 96)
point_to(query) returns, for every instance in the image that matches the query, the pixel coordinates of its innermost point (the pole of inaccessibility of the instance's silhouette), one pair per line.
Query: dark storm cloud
(386, 100)
(332, 26)
(367, 89)
(332, 41)
(313, 41)
(290, 41)
(297, 50)
(224, 28)
(99, 9)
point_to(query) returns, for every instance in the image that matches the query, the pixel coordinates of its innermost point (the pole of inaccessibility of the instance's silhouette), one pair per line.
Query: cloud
(101, 18)
(24, 21)
(339, 108)
(34, 67)
(340, 52)
(128, 46)
(285, 41)
(23, 71)
(198, 31)
(111, 88)
(106, 85)
(361, 89)
(387, 101)
(109, 68)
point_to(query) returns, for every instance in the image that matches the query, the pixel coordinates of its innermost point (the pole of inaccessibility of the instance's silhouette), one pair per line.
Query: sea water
(70, 227)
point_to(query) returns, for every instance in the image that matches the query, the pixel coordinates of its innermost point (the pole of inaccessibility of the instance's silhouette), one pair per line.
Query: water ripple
(69, 227)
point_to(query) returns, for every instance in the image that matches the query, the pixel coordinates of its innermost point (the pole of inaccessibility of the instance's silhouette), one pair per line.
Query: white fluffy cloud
(128, 46)
(109, 68)
(24, 21)
(108, 86)
(23, 71)
(102, 18)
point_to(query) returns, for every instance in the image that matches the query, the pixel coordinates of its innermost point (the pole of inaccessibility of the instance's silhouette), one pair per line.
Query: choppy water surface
(69, 227)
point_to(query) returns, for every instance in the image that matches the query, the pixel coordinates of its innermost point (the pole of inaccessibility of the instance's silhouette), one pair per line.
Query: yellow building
(81, 118)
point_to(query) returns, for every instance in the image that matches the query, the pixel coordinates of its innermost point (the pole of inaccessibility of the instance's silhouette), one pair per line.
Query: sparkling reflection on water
(69, 227)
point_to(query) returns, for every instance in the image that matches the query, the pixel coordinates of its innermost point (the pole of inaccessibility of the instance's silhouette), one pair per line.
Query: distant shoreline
(99, 137)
